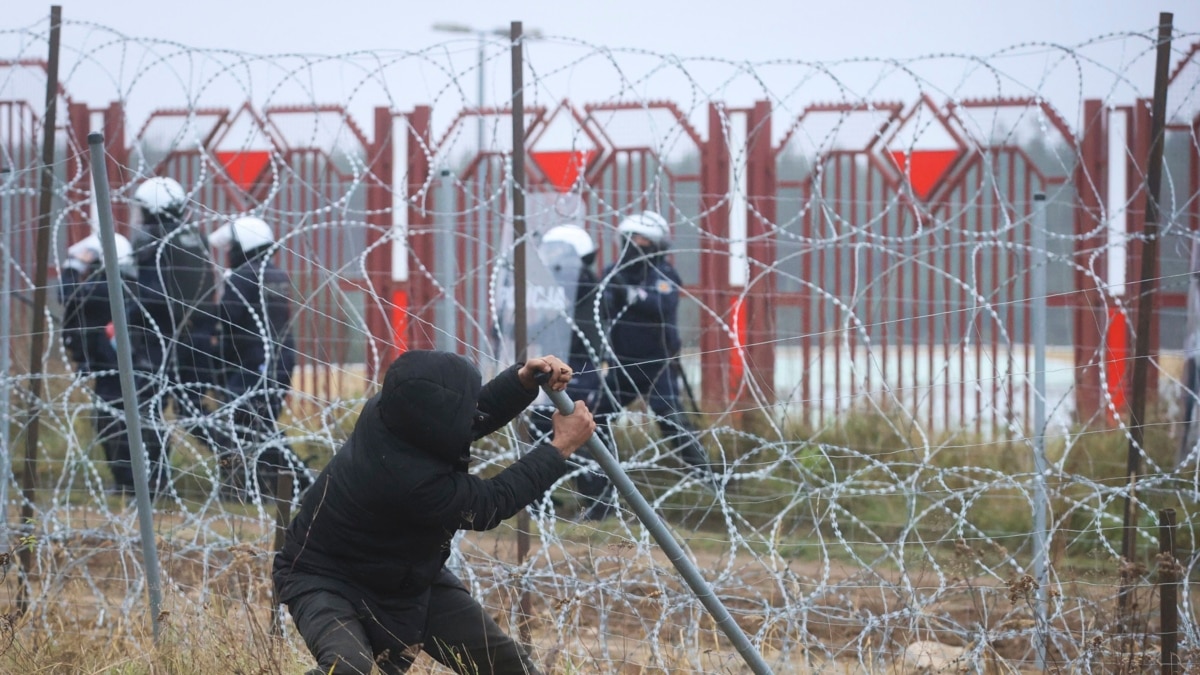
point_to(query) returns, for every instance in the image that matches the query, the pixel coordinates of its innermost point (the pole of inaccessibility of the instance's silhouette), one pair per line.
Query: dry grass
(217, 619)
(89, 612)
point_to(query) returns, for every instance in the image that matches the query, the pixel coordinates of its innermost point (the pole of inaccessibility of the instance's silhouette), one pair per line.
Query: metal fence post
(6, 230)
(284, 493)
(445, 272)
(133, 421)
(1168, 593)
(1041, 549)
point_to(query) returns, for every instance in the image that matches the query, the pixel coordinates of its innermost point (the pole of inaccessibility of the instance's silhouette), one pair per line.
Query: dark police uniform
(641, 304)
(258, 354)
(85, 333)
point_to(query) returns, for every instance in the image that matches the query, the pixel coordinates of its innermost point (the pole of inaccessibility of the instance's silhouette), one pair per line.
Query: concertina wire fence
(855, 239)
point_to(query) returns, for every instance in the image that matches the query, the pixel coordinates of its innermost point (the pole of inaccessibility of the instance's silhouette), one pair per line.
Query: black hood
(429, 400)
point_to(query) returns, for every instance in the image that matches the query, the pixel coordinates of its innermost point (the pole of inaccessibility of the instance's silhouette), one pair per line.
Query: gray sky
(947, 49)
(745, 29)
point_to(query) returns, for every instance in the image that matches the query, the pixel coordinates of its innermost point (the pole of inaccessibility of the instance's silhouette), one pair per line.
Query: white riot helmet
(574, 235)
(648, 224)
(86, 252)
(247, 233)
(161, 196)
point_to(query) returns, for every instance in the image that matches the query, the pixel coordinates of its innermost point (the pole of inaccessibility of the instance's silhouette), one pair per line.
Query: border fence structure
(838, 257)
(806, 228)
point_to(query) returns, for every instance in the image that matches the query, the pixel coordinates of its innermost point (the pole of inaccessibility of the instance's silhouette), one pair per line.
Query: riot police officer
(87, 339)
(640, 302)
(257, 354)
(173, 319)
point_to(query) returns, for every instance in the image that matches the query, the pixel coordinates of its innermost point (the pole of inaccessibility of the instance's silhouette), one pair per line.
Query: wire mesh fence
(855, 242)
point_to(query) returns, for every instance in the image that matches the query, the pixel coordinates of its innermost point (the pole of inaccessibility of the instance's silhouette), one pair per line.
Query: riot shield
(549, 307)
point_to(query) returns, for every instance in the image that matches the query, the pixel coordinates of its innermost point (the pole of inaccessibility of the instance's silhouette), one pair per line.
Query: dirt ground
(598, 599)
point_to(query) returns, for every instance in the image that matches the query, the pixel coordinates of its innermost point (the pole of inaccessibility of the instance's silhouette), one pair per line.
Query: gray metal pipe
(666, 541)
(6, 230)
(1041, 502)
(133, 423)
(445, 270)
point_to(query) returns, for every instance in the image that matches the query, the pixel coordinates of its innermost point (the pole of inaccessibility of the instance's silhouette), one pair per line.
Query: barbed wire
(871, 421)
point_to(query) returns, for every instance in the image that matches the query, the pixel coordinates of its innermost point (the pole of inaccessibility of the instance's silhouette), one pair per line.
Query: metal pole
(1191, 355)
(38, 329)
(479, 94)
(1146, 290)
(284, 493)
(6, 223)
(520, 327)
(480, 213)
(133, 422)
(666, 541)
(518, 192)
(1168, 593)
(1041, 548)
(445, 272)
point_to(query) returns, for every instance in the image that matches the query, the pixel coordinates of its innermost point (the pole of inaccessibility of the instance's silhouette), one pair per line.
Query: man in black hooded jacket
(362, 566)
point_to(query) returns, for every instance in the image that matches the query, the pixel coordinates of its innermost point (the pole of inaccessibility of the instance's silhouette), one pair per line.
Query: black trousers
(111, 431)
(459, 633)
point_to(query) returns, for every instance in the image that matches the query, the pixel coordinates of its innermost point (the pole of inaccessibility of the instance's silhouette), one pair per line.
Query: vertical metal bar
(1009, 298)
(946, 318)
(929, 314)
(903, 306)
(480, 264)
(839, 289)
(871, 256)
(520, 338)
(668, 544)
(887, 304)
(285, 491)
(1091, 185)
(479, 91)
(6, 230)
(518, 191)
(822, 282)
(856, 262)
(444, 270)
(1146, 288)
(1168, 593)
(978, 259)
(964, 313)
(38, 330)
(1026, 318)
(133, 421)
(1041, 549)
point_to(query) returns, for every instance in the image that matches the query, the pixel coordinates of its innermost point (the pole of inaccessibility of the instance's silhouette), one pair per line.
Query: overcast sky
(735, 29)
(573, 61)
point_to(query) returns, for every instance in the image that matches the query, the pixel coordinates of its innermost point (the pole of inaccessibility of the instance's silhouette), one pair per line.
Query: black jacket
(175, 291)
(255, 328)
(641, 307)
(377, 523)
(86, 316)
